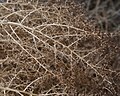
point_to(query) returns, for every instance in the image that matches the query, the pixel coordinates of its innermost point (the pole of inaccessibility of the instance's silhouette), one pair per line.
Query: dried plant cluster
(106, 12)
(52, 49)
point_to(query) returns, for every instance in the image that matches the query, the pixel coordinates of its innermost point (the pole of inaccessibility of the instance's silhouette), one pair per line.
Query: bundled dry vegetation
(52, 49)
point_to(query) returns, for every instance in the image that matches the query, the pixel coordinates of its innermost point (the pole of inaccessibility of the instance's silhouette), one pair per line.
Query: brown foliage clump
(52, 49)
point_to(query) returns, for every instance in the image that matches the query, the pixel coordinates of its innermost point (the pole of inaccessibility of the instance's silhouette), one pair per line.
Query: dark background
(106, 12)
